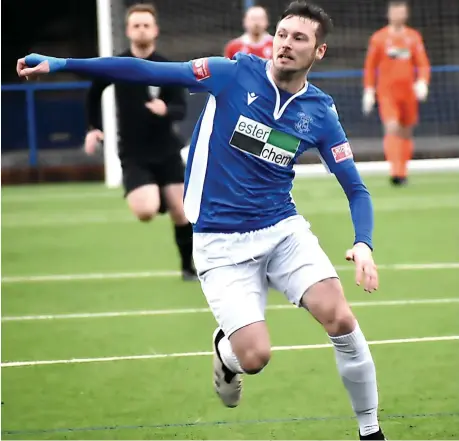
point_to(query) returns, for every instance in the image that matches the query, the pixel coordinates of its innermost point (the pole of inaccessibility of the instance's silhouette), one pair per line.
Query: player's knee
(342, 322)
(145, 217)
(326, 302)
(145, 214)
(144, 202)
(145, 211)
(254, 359)
(338, 319)
(392, 128)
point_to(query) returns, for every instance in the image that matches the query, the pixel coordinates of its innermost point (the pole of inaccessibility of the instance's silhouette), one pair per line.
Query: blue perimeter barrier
(32, 87)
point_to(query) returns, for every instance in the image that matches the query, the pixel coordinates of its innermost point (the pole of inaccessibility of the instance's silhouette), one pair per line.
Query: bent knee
(340, 322)
(254, 359)
(326, 302)
(144, 202)
(145, 216)
(144, 212)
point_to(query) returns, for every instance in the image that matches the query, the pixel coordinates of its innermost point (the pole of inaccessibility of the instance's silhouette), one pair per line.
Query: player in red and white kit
(256, 40)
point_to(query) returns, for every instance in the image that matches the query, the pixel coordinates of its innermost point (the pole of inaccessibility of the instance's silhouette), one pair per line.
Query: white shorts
(237, 269)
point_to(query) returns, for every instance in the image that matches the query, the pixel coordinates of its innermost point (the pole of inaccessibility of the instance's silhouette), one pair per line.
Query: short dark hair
(142, 7)
(398, 3)
(312, 12)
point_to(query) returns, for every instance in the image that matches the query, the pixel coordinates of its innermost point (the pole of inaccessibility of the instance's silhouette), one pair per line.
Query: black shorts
(138, 172)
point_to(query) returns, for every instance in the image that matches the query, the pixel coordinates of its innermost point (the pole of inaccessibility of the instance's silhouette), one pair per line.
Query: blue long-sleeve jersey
(239, 172)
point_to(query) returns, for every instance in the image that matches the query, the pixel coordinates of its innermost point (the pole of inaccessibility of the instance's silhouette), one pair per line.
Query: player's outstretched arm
(209, 74)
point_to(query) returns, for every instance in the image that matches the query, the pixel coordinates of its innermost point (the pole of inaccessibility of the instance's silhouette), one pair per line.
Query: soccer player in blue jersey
(248, 236)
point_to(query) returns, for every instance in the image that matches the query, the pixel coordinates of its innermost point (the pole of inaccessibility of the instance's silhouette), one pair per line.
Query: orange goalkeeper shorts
(403, 109)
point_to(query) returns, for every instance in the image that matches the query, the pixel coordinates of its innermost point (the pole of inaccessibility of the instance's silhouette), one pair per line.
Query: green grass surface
(81, 230)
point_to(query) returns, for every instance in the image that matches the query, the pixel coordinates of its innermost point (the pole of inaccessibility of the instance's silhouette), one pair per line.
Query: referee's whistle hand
(365, 267)
(91, 141)
(157, 106)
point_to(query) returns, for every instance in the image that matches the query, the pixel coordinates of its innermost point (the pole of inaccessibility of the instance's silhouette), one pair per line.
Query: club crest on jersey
(302, 125)
(201, 68)
(264, 142)
(342, 152)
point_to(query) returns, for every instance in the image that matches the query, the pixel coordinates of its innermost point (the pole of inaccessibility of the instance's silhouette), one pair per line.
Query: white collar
(279, 111)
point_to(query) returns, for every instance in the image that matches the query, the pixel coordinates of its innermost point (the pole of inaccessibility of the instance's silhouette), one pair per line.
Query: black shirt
(141, 132)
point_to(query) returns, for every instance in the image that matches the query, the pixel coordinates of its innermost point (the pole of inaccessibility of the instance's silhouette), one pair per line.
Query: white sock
(356, 367)
(228, 356)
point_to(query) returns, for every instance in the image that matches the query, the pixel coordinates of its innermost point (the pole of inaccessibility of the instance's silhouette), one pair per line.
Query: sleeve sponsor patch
(201, 68)
(342, 152)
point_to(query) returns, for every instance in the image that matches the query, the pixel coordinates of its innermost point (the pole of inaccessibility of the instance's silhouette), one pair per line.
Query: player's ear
(320, 51)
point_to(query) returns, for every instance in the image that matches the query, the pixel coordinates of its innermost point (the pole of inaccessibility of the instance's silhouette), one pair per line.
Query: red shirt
(262, 49)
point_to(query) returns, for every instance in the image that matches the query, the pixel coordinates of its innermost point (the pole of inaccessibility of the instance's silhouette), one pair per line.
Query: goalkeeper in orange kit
(397, 75)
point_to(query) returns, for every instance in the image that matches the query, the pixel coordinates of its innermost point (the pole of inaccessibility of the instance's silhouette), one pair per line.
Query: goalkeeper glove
(368, 100)
(421, 89)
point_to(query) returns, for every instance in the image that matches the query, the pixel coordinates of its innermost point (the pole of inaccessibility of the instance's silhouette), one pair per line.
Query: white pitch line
(154, 274)
(104, 193)
(59, 196)
(204, 353)
(152, 312)
(29, 220)
(89, 276)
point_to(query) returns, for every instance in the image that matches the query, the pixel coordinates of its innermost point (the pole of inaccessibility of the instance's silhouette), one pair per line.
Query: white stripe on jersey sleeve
(192, 202)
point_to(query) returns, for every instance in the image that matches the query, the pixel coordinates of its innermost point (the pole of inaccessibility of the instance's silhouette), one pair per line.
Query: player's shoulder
(234, 42)
(249, 60)
(379, 35)
(414, 33)
(324, 103)
(232, 47)
(317, 93)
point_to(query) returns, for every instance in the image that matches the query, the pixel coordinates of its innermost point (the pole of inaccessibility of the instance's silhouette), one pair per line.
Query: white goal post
(112, 166)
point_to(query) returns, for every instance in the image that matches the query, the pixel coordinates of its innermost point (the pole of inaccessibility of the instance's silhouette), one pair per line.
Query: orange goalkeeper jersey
(395, 61)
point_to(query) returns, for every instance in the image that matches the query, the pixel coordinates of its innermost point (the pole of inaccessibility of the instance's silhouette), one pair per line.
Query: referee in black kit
(149, 150)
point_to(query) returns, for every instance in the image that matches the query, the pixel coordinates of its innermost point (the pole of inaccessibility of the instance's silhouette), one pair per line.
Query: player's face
(397, 15)
(141, 28)
(256, 21)
(295, 44)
